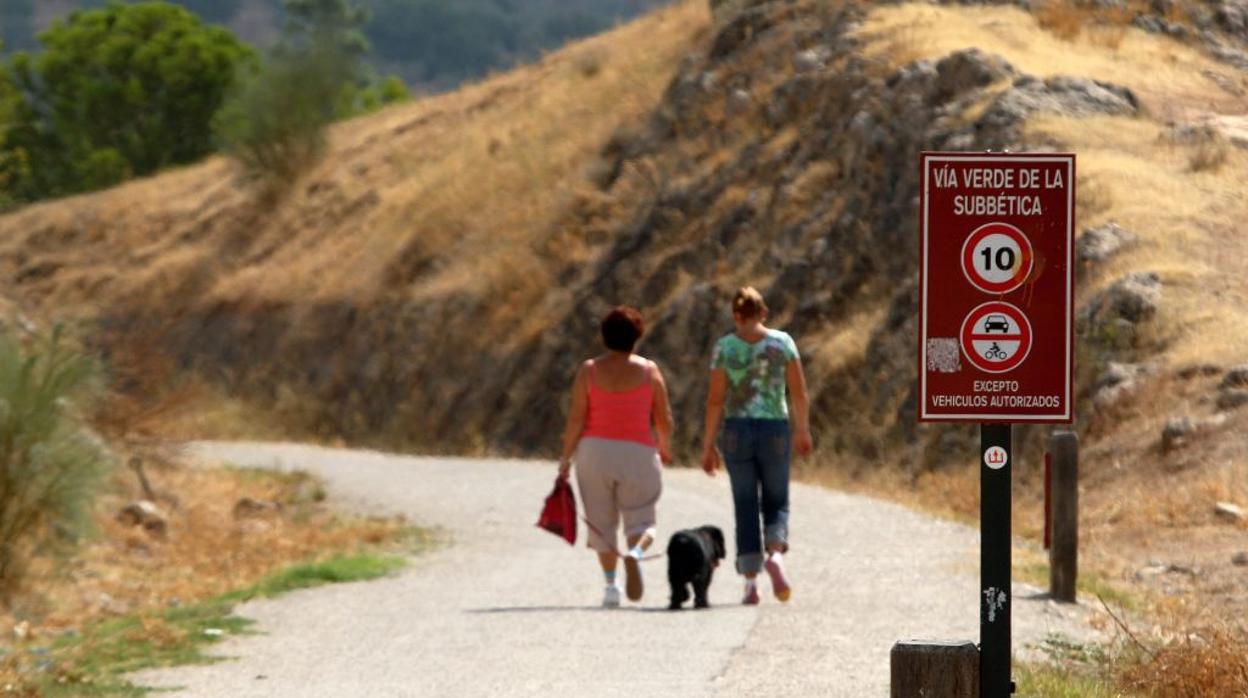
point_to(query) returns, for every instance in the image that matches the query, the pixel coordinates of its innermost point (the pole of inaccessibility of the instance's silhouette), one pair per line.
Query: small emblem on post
(996, 458)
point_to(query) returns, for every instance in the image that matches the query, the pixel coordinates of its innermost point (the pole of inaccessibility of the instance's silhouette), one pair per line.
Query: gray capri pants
(617, 479)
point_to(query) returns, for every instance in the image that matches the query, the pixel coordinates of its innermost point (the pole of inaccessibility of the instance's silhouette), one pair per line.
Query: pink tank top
(624, 416)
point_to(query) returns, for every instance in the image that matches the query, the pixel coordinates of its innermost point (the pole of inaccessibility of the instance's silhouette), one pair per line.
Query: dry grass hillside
(427, 213)
(465, 177)
(432, 284)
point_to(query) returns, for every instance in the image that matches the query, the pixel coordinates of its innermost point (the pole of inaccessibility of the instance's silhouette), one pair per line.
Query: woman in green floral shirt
(752, 369)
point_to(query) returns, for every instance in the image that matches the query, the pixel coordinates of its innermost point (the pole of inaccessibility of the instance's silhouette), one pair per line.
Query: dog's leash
(594, 528)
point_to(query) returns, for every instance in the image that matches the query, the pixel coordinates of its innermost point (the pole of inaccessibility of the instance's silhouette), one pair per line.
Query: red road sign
(997, 287)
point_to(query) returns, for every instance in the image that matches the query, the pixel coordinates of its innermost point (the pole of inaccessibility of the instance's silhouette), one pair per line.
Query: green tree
(214, 11)
(50, 465)
(318, 23)
(337, 27)
(8, 97)
(8, 107)
(117, 91)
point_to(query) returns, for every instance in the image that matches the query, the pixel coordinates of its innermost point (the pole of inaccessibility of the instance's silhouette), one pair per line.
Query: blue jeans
(756, 453)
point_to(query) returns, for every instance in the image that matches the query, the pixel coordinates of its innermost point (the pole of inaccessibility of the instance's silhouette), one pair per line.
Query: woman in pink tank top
(618, 434)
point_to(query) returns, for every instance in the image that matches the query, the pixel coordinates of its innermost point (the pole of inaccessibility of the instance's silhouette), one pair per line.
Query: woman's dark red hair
(621, 328)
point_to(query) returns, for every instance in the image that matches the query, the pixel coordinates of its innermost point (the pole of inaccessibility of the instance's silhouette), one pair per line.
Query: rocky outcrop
(1178, 431)
(1098, 244)
(1066, 96)
(967, 70)
(1132, 299)
(146, 515)
(1116, 381)
(1236, 377)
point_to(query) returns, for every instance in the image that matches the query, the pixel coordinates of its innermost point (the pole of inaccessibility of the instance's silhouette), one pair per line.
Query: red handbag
(559, 513)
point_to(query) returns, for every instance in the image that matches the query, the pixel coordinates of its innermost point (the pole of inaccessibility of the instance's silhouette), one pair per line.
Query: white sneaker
(611, 597)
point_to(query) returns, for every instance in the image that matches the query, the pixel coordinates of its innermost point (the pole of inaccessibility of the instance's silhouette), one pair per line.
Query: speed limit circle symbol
(996, 337)
(997, 258)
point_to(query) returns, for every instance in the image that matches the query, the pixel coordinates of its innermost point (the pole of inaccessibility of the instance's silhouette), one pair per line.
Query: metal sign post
(996, 333)
(994, 560)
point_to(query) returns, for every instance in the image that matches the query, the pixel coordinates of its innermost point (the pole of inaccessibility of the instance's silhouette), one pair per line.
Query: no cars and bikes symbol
(996, 337)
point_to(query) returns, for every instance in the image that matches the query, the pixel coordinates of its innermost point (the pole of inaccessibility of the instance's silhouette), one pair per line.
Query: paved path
(508, 610)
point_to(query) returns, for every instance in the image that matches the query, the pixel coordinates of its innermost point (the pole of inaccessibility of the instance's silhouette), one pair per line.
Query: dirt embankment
(434, 284)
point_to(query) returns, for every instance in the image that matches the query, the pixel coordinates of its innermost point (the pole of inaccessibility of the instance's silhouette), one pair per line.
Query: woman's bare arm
(800, 402)
(662, 409)
(576, 420)
(714, 411)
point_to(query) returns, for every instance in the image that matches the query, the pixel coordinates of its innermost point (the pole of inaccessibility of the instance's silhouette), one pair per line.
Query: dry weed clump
(1094, 196)
(590, 61)
(904, 44)
(1110, 34)
(1068, 19)
(207, 551)
(13, 682)
(1209, 154)
(1200, 664)
(146, 392)
(1065, 20)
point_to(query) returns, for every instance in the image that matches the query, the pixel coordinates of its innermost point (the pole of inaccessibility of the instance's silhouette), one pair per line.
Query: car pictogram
(996, 323)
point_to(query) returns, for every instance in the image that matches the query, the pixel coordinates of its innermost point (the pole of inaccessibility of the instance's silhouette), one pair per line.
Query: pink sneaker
(779, 583)
(751, 595)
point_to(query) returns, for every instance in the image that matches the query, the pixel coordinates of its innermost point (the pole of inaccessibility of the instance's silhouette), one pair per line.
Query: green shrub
(312, 23)
(274, 125)
(50, 464)
(379, 93)
(103, 168)
(10, 163)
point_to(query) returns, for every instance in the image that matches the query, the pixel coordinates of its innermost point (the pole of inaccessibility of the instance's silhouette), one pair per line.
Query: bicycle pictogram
(996, 337)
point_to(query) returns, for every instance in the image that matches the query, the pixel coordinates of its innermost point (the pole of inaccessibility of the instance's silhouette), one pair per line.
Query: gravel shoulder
(505, 609)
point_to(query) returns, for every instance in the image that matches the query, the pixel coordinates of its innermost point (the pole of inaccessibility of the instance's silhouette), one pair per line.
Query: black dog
(692, 556)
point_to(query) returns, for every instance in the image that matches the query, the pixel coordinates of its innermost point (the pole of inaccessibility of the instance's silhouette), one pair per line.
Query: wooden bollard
(935, 669)
(1064, 552)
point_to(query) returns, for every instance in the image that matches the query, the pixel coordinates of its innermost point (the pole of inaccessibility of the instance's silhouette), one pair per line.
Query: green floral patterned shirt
(756, 374)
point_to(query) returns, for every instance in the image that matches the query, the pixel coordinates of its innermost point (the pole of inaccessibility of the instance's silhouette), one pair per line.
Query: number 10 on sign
(997, 258)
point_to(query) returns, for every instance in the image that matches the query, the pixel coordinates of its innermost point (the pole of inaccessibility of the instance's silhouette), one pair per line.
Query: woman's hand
(800, 401)
(803, 442)
(710, 460)
(565, 467)
(665, 455)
